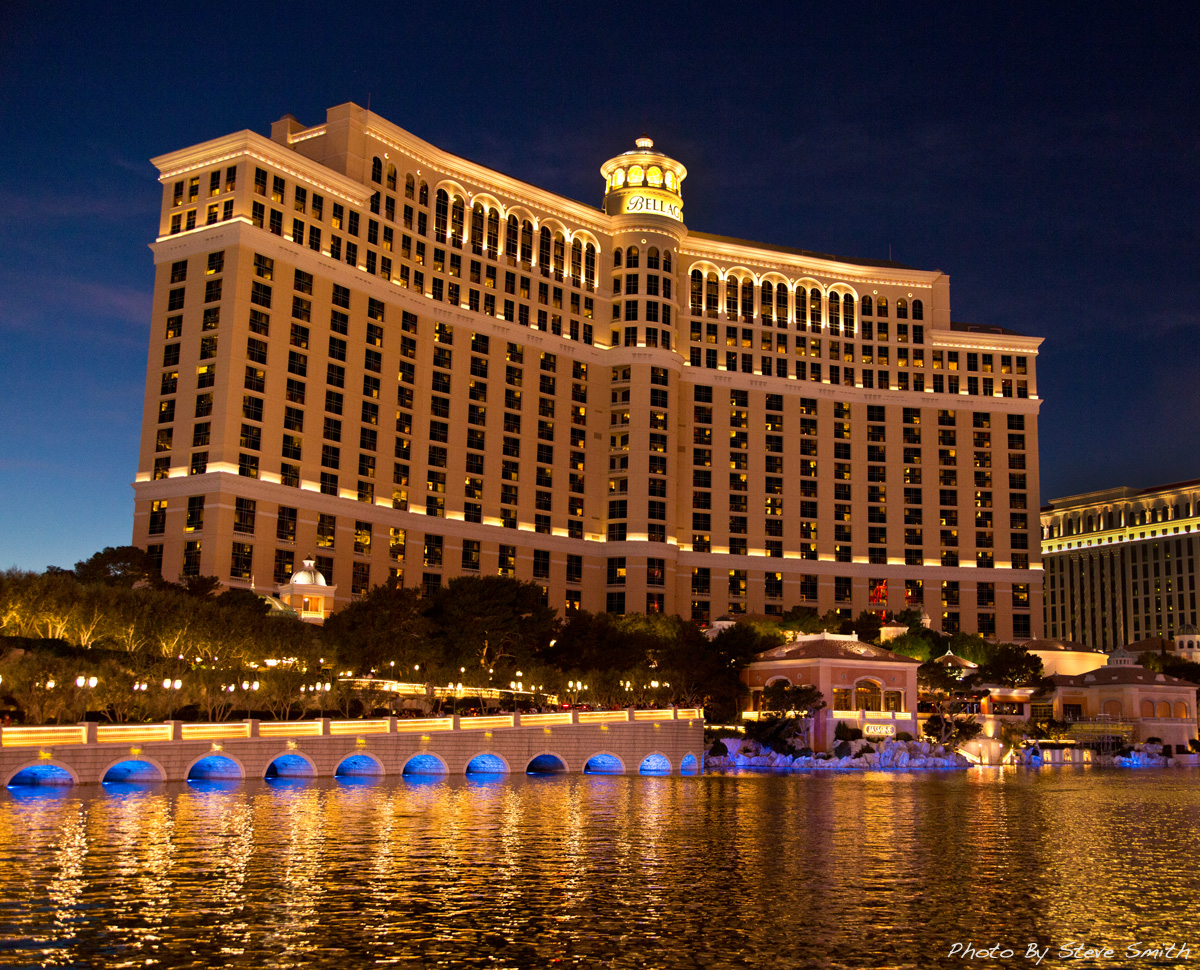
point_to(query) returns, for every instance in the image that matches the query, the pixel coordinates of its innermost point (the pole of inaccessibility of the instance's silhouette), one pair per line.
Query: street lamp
(88, 683)
(170, 686)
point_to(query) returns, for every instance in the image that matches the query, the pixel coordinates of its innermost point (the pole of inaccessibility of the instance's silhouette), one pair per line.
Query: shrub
(841, 749)
(718, 750)
(805, 752)
(867, 750)
(1194, 745)
(1153, 741)
(1181, 749)
(845, 732)
(903, 736)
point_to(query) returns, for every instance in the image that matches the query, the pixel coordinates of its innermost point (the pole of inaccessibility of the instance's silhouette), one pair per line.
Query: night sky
(1043, 155)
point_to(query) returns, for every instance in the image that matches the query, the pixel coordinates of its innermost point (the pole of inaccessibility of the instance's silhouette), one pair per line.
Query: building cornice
(965, 339)
(486, 179)
(770, 260)
(249, 144)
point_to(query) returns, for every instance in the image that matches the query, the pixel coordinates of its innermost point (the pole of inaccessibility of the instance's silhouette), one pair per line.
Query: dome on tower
(308, 575)
(643, 182)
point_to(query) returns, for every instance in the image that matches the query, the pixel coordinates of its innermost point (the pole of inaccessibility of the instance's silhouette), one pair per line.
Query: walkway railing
(90, 732)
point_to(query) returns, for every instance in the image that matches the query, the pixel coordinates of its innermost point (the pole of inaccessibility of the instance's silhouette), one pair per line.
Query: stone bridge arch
(546, 763)
(359, 764)
(136, 773)
(425, 763)
(43, 772)
(604, 763)
(289, 763)
(213, 766)
(487, 763)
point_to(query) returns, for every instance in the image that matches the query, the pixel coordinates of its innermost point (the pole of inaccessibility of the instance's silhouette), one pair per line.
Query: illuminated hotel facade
(371, 351)
(1120, 564)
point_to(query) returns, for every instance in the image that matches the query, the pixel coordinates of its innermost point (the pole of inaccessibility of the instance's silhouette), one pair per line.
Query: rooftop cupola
(643, 182)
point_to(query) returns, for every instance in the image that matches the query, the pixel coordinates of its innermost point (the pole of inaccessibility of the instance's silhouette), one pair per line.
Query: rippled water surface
(736, 870)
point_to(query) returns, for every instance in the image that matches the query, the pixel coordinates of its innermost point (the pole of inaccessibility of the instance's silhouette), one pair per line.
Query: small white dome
(308, 575)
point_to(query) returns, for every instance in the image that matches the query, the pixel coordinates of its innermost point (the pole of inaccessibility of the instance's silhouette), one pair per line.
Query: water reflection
(502, 870)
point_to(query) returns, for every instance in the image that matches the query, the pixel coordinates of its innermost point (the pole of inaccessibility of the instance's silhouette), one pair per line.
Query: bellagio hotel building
(367, 350)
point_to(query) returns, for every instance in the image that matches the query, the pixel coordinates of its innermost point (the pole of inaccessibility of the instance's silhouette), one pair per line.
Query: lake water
(722, 870)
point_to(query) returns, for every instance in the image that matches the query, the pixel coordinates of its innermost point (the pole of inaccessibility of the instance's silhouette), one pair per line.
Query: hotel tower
(373, 353)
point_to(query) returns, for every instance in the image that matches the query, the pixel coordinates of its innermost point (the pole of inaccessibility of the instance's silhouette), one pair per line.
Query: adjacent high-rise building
(371, 351)
(1121, 564)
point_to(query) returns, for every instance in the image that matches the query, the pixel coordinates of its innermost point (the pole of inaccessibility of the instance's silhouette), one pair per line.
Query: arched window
(1147, 708)
(711, 292)
(697, 292)
(631, 257)
(576, 261)
(652, 258)
(618, 255)
(1090, 524)
(918, 310)
(1112, 708)
(477, 228)
(666, 260)
(560, 254)
(636, 175)
(441, 213)
(544, 250)
(669, 178)
(1181, 710)
(511, 235)
(902, 309)
(835, 314)
(1164, 709)
(376, 169)
(409, 186)
(423, 194)
(589, 265)
(881, 307)
(731, 297)
(767, 303)
(781, 303)
(814, 308)
(867, 696)
(867, 309)
(848, 314)
(391, 177)
(747, 299)
(457, 211)
(526, 241)
(618, 178)
(654, 176)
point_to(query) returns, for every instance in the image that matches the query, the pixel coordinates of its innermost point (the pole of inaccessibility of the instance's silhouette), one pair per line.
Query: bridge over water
(606, 742)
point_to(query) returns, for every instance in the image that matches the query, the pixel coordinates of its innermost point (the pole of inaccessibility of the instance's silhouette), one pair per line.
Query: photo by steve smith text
(1070, 951)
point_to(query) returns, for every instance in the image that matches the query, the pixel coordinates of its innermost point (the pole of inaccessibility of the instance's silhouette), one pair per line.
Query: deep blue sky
(1044, 155)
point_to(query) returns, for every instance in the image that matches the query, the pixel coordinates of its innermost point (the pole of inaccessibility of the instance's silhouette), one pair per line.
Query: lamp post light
(170, 686)
(83, 682)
